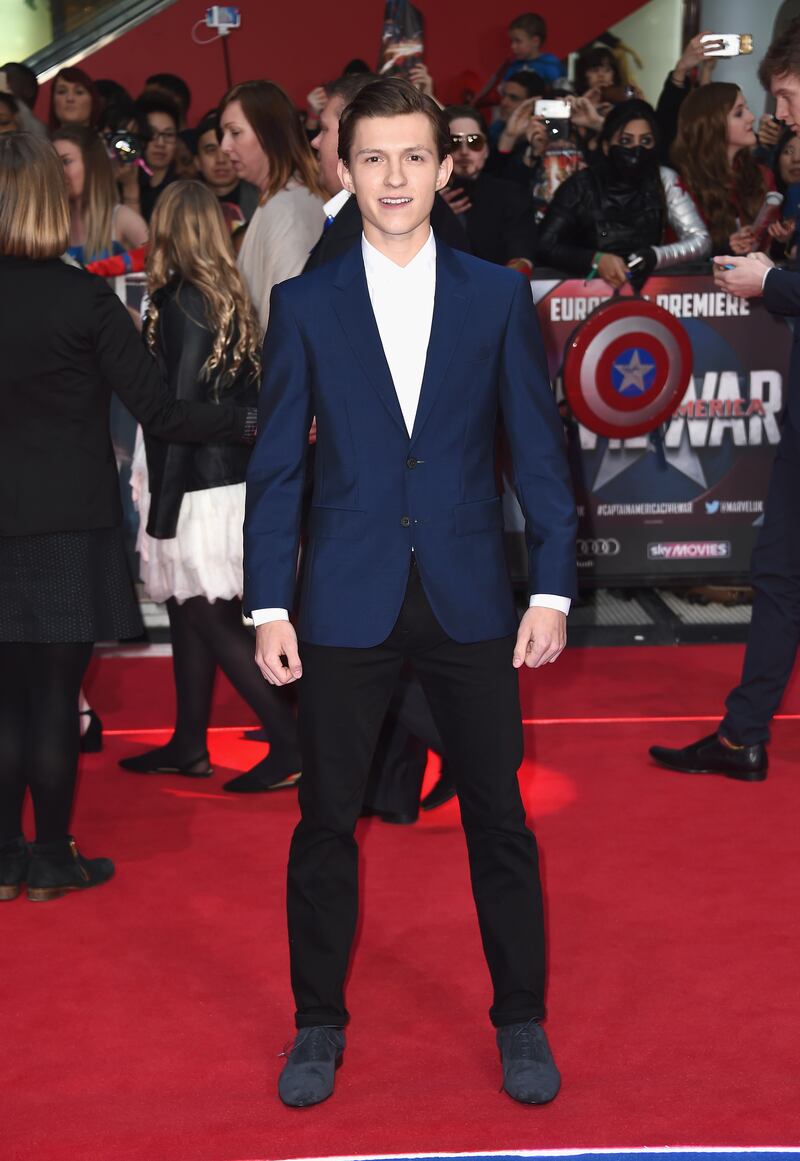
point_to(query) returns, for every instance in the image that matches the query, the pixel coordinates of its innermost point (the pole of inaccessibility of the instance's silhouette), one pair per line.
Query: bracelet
(595, 265)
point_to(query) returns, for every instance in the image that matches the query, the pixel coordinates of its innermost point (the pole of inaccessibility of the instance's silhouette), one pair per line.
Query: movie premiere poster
(690, 508)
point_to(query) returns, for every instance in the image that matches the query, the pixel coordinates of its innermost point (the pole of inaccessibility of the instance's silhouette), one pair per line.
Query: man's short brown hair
(782, 56)
(392, 97)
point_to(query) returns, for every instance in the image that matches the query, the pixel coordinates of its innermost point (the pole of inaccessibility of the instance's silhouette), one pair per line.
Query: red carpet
(143, 1020)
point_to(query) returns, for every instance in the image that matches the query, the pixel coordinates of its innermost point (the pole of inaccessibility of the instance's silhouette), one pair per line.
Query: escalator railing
(49, 34)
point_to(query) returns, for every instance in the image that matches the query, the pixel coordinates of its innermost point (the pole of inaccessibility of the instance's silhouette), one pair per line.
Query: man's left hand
(745, 279)
(541, 638)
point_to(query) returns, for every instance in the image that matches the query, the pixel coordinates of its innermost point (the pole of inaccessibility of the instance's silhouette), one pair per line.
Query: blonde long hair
(190, 240)
(34, 211)
(100, 196)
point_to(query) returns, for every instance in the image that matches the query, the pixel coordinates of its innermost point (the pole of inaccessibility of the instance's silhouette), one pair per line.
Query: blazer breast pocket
(337, 523)
(479, 516)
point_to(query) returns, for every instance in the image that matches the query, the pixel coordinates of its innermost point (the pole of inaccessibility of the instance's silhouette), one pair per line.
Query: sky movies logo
(690, 550)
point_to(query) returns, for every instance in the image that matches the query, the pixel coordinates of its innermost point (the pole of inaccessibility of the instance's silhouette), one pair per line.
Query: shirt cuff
(767, 273)
(547, 601)
(264, 616)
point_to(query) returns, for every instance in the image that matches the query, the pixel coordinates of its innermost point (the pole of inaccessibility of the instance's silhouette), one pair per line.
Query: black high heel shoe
(92, 738)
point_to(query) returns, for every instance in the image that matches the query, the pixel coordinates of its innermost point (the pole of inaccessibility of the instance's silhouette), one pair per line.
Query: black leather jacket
(592, 212)
(183, 343)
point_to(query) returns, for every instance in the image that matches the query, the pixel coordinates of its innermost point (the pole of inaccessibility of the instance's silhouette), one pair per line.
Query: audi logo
(598, 547)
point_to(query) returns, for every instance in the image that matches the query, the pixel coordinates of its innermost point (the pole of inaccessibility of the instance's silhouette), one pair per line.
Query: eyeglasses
(473, 141)
(168, 136)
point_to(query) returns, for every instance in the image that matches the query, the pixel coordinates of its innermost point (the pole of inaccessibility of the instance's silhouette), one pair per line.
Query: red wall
(299, 45)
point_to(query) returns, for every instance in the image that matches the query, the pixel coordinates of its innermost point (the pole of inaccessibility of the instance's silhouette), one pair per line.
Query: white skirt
(204, 558)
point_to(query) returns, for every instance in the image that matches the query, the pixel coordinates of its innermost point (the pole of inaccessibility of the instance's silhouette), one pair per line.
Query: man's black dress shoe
(307, 1077)
(529, 1071)
(711, 756)
(442, 792)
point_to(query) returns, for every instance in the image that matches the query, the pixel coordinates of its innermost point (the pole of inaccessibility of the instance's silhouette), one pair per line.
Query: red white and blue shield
(627, 368)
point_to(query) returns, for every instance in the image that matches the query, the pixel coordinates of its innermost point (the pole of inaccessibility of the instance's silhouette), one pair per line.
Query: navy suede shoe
(307, 1077)
(529, 1071)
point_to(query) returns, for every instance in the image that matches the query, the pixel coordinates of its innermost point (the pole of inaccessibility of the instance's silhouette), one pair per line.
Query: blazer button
(404, 521)
(411, 462)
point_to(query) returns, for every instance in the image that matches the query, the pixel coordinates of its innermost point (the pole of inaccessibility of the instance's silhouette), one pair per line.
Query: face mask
(632, 161)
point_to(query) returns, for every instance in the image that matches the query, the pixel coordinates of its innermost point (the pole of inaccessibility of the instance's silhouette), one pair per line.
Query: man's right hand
(276, 652)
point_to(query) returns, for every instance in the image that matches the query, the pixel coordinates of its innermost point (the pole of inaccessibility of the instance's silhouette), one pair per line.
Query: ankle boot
(58, 867)
(14, 856)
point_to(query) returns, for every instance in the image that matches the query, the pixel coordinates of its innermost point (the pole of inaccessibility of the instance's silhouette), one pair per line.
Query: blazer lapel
(352, 304)
(449, 314)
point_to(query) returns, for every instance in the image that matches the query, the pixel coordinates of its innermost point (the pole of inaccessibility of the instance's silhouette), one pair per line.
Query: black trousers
(775, 627)
(474, 694)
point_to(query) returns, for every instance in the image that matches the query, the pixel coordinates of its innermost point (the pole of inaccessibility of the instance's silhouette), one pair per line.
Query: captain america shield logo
(626, 368)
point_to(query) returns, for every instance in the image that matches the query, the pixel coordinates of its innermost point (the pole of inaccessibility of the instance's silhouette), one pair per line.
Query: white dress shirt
(336, 203)
(402, 299)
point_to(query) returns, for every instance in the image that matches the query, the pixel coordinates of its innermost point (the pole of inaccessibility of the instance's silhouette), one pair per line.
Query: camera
(555, 114)
(122, 146)
(727, 44)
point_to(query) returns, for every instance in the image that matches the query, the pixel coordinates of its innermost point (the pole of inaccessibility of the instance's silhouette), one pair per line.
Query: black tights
(208, 634)
(39, 734)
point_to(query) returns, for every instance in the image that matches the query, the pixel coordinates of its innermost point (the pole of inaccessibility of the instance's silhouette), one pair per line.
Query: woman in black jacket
(205, 334)
(621, 208)
(67, 341)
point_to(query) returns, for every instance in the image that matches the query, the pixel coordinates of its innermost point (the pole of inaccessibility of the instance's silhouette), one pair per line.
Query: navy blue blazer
(782, 296)
(377, 492)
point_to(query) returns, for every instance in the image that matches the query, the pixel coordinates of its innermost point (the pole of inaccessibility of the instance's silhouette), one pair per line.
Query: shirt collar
(377, 265)
(334, 204)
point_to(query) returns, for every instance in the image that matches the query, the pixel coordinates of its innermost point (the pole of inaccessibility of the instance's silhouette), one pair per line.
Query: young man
(738, 749)
(216, 169)
(406, 351)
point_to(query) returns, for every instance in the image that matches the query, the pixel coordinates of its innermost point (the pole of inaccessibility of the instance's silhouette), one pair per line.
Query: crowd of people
(595, 183)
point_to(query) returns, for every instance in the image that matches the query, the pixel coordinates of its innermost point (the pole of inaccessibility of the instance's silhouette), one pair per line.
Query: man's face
(394, 172)
(216, 168)
(326, 144)
(786, 91)
(467, 160)
(511, 96)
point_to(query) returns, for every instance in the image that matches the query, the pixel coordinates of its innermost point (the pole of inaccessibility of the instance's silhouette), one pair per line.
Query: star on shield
(633, 374)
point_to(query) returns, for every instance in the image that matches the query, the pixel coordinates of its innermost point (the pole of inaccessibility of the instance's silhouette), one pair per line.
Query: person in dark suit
(409, 732)
(406, 350)
(67, 342)
(496, 215)
(738, 748)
